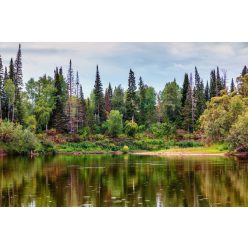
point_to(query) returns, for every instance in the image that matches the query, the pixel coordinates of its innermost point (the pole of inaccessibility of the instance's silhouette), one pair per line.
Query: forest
(51, 113)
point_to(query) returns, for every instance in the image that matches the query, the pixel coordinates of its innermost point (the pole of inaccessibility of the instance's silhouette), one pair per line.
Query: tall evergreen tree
(185, 88)
(70, 86)
(1, 87)
(218, 84)
(207, 92)
(142, 96)
(82, 109)
(212, 84)
(199, 95)
(59, 119)
(19, 116)
(110, 92)
(189, 108)
(99, 99)
(131, 98)
(232, 87)
(244, 71)
(107, 101)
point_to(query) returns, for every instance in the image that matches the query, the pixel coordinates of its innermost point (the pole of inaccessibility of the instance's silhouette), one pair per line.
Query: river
(123, 181)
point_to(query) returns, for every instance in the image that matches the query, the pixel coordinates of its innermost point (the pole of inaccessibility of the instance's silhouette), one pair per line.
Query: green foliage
(171, 102)
(15, 139)
(165, 129)
(114, 123)
(131, 128)
(31, 122)
(189, 143)
(125, 149)
(238, 136)
(220, 115)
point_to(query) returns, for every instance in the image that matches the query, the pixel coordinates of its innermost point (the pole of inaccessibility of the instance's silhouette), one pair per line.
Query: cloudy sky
(157, 63)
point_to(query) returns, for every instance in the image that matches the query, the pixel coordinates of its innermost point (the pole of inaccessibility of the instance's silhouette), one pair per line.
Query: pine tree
(212, 84)
(218, 82)
(18, 86)
(4, 96)
(99, 99)
(189, 108)
(185, 88)
(118, 102)
(59, 119)
(77, 101)
(244, 71)
(70, 86)
(131, 98)
(142, 96)
(232, 88)
(199, 95)
(107, 102)
(1, 87)
(82, 109)
(11, 74)
(207, 93)
(110, 93)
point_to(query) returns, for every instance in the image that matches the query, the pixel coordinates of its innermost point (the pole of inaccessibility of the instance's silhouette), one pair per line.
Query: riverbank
(213, 150)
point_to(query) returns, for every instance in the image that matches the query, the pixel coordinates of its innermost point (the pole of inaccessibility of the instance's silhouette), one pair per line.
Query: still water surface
(123, 180)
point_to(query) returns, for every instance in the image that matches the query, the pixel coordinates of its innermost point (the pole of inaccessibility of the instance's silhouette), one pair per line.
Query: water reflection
(114, 180)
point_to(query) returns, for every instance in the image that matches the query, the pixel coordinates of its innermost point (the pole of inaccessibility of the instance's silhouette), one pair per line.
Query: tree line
(58, 102)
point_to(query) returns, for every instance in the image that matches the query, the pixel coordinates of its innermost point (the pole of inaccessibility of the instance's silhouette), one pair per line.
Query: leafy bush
(160, 130)
(15, 139)
(114, 123)
(238, 136)
(131, 128)
(189, 143)
(125, 149)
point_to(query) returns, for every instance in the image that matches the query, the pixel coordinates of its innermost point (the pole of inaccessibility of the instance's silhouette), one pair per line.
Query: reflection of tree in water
(110, 180)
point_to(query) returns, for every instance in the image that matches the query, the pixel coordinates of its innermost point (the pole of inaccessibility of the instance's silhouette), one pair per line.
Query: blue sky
(157, 63)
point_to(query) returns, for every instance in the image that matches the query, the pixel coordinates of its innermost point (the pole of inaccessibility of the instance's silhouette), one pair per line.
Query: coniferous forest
(51, 113)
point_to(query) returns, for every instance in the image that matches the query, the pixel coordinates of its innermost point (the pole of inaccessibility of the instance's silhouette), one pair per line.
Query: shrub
(15, 139)
(131, 128)
(160, 130)
(114, 123)
(125, 149)
(188, 143)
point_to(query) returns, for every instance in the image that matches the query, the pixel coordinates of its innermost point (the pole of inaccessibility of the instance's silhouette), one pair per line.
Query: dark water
(130, 180)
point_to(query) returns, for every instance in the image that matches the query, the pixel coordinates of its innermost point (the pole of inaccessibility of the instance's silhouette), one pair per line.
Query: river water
(123, 181)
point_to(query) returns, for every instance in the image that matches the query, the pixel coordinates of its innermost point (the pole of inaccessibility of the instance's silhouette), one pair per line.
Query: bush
(238, 137)
(131, 128)
(189, 143)
(114, 123)
(160, 130)
(125, 149)
(15, 139)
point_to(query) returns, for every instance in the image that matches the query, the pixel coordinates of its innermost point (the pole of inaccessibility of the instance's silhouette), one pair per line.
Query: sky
(156, 63)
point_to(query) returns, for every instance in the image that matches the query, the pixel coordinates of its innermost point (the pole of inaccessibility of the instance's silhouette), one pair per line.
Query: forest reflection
(123, 180)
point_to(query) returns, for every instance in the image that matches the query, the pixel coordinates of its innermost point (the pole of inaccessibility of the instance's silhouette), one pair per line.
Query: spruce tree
(131, 98)
(1, 87)
(207, 92)
(107, 102)
(59, 119)
(199, 95)
(18, 86)
(99, 99)
(142, 96)
(244, 71)
(189, 108)
(110, 93)
(82, 109)
(70, 87)
(212, 84)
(218, 82)
(232, 87)
(185, 88)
